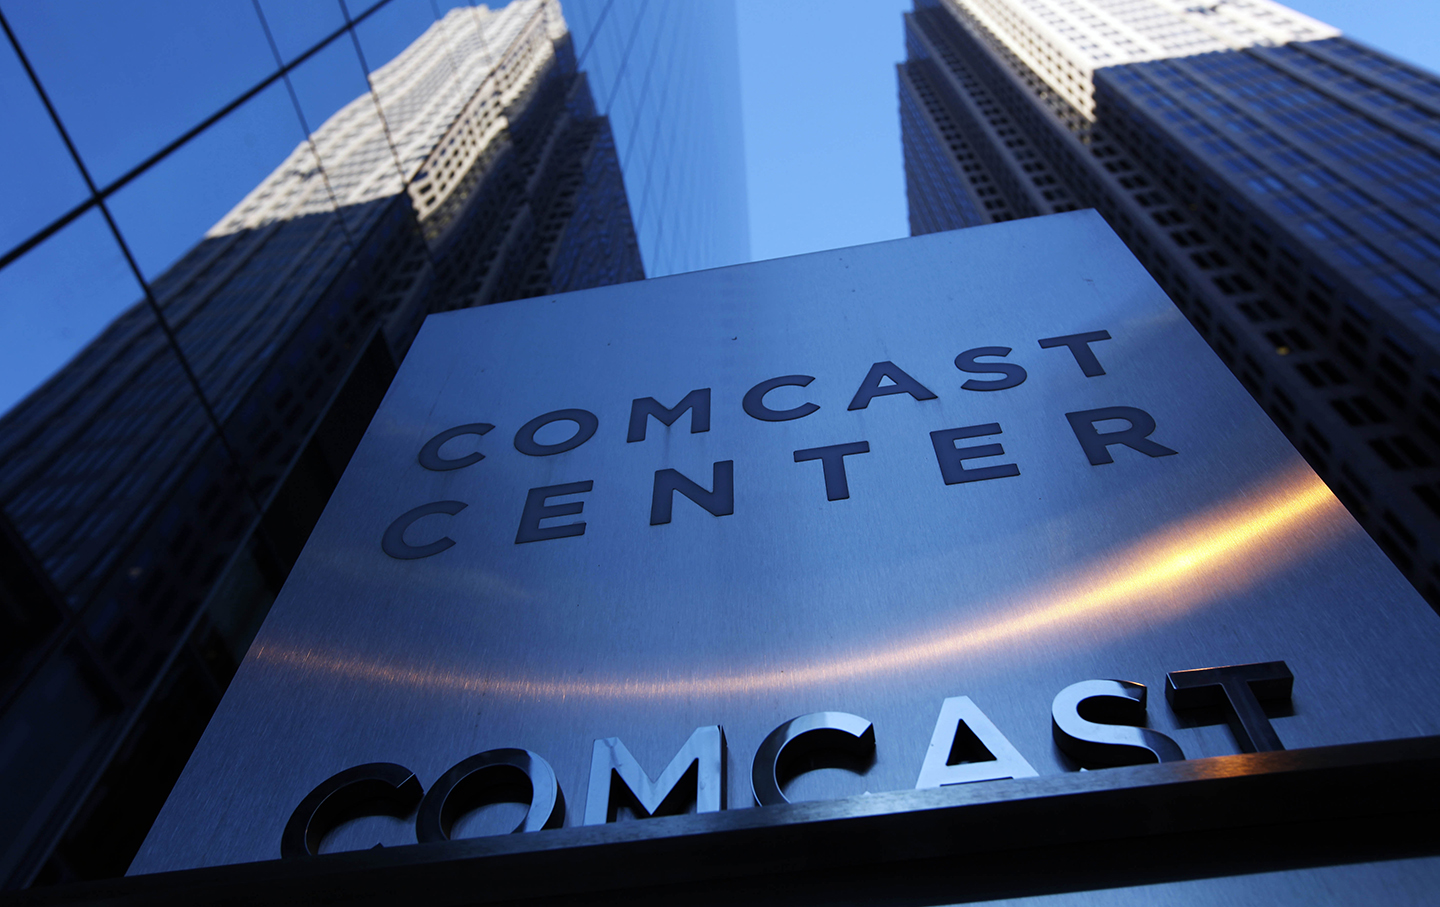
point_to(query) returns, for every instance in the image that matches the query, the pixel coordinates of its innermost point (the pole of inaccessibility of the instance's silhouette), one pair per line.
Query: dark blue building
(164, 460)
(1279, 181)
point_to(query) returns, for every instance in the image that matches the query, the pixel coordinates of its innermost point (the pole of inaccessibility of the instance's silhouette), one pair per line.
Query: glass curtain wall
(667, 75)
(221, 229)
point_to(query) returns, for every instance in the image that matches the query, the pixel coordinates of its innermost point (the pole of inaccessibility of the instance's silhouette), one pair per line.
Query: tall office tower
(162, 462)
(667, 75)
(1280, 181)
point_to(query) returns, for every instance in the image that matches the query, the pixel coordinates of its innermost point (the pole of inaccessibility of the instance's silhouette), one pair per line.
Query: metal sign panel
(987, 464)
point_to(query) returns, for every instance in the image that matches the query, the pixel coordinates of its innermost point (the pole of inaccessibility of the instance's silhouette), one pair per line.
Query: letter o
(494, 776)
(585, 421)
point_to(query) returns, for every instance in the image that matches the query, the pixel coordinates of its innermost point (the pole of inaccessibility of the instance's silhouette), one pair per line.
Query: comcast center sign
(965, 509)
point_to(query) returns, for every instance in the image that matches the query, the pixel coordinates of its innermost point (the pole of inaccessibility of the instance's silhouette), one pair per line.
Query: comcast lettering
(1097, 723)
(1126, 426)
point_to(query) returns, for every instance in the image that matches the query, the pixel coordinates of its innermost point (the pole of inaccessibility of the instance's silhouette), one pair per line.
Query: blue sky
(822, 128)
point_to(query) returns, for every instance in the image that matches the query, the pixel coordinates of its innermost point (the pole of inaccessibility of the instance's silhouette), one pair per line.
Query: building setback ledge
(1226, 815)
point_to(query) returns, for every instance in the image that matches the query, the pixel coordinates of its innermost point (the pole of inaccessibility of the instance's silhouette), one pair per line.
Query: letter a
(966, 747)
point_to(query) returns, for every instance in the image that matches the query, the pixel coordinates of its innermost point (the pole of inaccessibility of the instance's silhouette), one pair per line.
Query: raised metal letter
(1241, 687)
(393, 541)
(536, 509)
(966, 747)
(816, 740)
(430, 454)
(696, 773)
(968, 361)
(1096, 723)
(832, 460)
(952, 459)
(494, 776)
(901, 383)
(1079, 345)
(374, 789)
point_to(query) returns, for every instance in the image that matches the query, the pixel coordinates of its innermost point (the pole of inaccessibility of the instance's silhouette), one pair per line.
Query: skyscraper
(667, 76)
(164, 460)
(1278, 180)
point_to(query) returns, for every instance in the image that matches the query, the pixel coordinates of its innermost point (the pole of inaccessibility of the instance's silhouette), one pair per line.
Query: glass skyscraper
(287, 189)
(1278, 180)
(667, 75)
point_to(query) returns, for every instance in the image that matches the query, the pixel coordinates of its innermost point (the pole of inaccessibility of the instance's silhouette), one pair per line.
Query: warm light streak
(1186, 565)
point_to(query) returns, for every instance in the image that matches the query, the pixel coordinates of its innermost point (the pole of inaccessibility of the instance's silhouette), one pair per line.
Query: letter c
(373, 789)
(393, 542)
(430, 454)
(841, 739)
(754, 400)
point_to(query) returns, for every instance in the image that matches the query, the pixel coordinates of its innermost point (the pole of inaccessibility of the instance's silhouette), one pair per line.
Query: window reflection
(158, 475)
(66, 696)
(386, 33)
(56, 299)
(327, 81)
(166, 210)
(297, 25)
(167, 67)
(80, 484)
(51, 185)
(667, 74)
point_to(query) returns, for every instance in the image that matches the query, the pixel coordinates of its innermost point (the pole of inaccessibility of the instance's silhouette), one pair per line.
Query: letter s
(1096, 723)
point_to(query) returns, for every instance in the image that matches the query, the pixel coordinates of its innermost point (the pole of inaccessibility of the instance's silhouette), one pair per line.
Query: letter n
(718, 502)
(696, 774)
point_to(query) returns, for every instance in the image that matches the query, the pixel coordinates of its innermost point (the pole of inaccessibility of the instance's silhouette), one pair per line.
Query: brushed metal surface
(882, 604)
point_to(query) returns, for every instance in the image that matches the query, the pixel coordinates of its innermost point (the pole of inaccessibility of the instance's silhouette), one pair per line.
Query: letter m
(697, 401)
(696, 774)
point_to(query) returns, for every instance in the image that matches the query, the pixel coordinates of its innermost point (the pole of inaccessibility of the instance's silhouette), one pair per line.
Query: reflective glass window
(667, 75)
(128, 78)
(348, 134)
(56, 299)
(297, 25)
(406, 88)
(45, 732)
(387, 32)
(41, 182)
(165, 211)
(328, 81)
(108, 417)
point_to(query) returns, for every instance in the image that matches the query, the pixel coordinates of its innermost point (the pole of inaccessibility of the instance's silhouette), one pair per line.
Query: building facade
(667, 76)
(1277, 179)
(164, 460)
